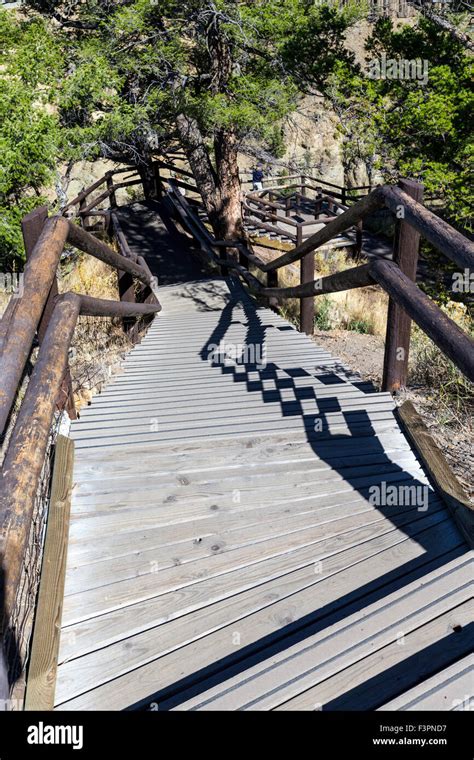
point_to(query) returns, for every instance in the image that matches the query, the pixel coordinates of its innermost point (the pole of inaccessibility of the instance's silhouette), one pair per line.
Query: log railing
(41, 311)
(87, 203)
(413, 220)
(272, 210)
(397, 278)
(346, 195)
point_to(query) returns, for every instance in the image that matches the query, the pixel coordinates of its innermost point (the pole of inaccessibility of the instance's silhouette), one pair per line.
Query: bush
(363, 326)
(322, 319)
(430, 368)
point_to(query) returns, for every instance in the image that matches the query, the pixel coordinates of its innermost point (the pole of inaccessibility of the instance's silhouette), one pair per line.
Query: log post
(31, 227)
(82, 219)
(272, 282)
(405, 255)
(26, 452)
(158, 181)
(306, 275)
(303, 185)
(343, 196)
(110, 188)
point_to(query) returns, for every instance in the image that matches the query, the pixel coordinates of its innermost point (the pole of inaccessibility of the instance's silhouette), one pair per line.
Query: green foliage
(322, 319)
(28, 127)
(430, 368)
(363, 326)
(426, 129)
(276, 142)
(149, 61)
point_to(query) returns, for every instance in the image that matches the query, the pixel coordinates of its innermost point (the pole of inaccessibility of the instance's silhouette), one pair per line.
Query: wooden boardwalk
(374, 246)
(224, 548)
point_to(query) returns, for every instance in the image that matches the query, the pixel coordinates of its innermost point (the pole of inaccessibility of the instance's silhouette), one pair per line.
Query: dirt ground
(364, 354)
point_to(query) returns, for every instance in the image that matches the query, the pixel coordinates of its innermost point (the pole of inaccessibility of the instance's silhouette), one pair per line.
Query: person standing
(257, 177)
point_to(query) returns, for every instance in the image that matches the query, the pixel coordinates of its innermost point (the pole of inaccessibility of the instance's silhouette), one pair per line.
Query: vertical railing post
(126, 289)
(343, 196)
(272, 282)
(110, 188)
(158, 181)
(303, 185)
(31, 227)
(306, 275)
(82, 219)
(405, 254)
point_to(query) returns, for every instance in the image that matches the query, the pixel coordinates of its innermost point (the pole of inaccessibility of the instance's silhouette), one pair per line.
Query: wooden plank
(41, 681)
(224, 539)
(411, 663)
(285, 444)
(163, 672)
(439, 470)
(450, 689)
(227, 476)
(377, 431)
(221, 404)
(284, 453)
(238, 423)
(130, 398)
(118, 595)
(341, 642)
(269, 411)
(378, 422)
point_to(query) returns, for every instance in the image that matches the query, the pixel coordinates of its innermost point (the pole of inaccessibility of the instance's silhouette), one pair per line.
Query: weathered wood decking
(224, 552)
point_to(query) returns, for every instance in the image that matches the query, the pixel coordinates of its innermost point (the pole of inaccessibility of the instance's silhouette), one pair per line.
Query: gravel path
(364, 354)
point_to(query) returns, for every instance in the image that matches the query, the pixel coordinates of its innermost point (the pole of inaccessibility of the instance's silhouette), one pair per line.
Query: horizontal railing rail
(344, 193)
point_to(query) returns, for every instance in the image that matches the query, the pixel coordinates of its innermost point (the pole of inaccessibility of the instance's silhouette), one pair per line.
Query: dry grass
(361, 310)
(99, 344)
(431, 369)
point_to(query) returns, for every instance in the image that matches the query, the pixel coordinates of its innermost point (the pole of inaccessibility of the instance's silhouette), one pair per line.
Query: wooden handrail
(38, 276)
(348, 219)
(24, 458)
(445, 333)
(86, 242)
(439, 233)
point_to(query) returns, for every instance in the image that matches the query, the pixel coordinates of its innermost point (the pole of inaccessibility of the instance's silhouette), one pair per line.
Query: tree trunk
(229, 224)
(219, 187)
(145, 170)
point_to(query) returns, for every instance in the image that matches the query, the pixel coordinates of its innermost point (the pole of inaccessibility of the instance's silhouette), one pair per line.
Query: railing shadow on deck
(433, 554)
